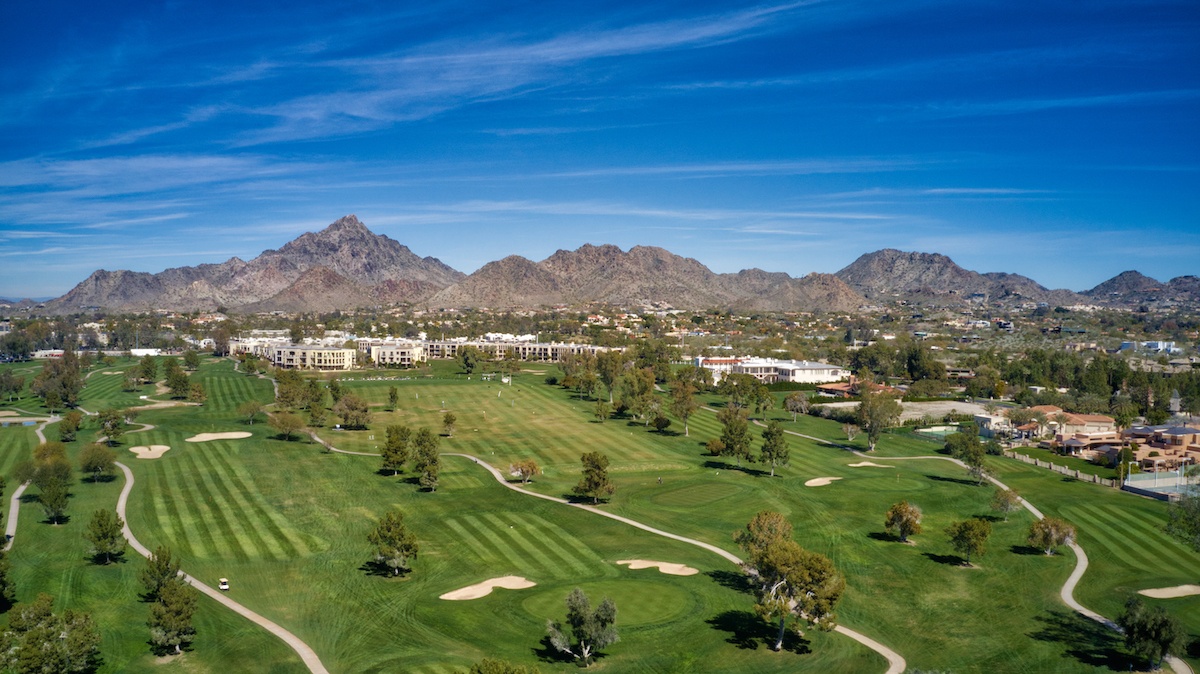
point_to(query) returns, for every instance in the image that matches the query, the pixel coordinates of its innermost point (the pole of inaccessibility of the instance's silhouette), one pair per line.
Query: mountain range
(347, 266)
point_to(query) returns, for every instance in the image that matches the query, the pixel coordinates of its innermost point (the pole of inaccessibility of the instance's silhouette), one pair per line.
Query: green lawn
(287, 523)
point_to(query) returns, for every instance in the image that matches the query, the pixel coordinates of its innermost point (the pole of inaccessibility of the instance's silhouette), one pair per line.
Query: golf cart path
(14, 503)
(1081, 559)
(896, 663)
(307, 654)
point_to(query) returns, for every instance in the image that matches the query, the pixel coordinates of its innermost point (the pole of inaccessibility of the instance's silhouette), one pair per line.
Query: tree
(97, 459)
(602, 411)
(171, 616)
(196, 393)
(797, 403)
(595, 482)
(969, 537)
(1151, 633)
(851, 431)
(177, 380)
(191, 360)
(353, 411)
(661, 423)
(715, 447)
(11, 384)
(791, 582)
(287, 423)
(394, 544)
(395, 447)
(428, 461)
(37, 640)
(8, 590)
(589, 629)
(1048, 533)
(54, 501)
(904, 519)
(683, 402)
(767, 527)
(1183, 519)
(161, 567)
(525, 470)
(249, 410)
(393, 398)
(469, 358)
(876, 413)
(148, 368)
(448, 421)
(104, 532)
(775, 446)
(1006, 501)
(68, 428)
(112, 424)
(735, 433)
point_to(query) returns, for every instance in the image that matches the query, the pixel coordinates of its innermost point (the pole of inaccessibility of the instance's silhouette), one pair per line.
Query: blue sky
(1059, 140)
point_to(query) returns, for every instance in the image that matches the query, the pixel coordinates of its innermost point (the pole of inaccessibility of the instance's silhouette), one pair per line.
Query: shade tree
(394, 545)
(587, 629)
(595, 482)
(903, 519)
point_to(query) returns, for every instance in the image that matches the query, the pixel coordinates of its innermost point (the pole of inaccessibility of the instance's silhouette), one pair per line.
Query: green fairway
(286, 522)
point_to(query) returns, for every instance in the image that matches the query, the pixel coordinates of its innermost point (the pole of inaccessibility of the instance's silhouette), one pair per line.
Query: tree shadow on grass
(1085, 641)
(1025, 550)
(546, 652)
(28, 497)
(883, 536)
(379, 569)
(93, 479)
(748, 631)
(955, 480)
(721, 465)
(950, 560)
(735, 581)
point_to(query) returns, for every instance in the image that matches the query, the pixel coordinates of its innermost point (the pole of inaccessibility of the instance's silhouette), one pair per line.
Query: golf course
(287, 521)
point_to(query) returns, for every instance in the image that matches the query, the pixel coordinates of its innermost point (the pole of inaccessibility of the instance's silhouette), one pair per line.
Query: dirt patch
(663, 567)
(1171, 592)
(820, 481)
(205, 437)
(866, 464)
(151, 452)
(485, 588)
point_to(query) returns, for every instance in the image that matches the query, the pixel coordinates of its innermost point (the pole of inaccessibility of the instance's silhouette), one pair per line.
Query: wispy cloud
(948, 110)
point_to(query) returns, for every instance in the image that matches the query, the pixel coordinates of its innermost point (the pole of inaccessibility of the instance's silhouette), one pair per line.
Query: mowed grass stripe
(170, 519)
(264, 515)
(234, 505)
(483, 531)
(206, 507)
(1169, 554)
(549, 539)
(540, 554)
(583, 551)
(1117, 544)
(467, 538)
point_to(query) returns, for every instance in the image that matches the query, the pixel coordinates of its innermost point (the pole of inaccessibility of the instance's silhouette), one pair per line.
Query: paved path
(1081, 558)
(307, 654)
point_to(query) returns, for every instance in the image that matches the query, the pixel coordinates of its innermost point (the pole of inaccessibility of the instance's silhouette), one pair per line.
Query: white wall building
(771, 370)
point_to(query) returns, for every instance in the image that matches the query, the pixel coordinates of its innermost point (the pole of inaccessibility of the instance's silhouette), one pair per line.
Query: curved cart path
(307, 654)
(1081, 559)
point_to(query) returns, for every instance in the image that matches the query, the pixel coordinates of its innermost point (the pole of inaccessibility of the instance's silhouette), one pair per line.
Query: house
(1158, 448)
(771, 370)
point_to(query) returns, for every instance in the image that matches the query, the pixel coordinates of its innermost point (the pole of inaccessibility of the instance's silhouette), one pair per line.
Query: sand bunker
(485, 588)
(820, 481)
(205, 437)
(863, 464)
(151, 452)
(7, 413)
(663, 567)
(1172, 592)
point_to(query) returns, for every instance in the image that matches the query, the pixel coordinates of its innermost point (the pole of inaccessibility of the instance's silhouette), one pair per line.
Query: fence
(1069, 472)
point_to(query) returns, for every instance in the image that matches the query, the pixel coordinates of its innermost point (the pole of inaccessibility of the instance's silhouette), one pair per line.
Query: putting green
(639, 602)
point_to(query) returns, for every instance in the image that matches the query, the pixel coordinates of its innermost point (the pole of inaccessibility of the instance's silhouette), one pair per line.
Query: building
(301, 357)
(771, 370)
(396, 355)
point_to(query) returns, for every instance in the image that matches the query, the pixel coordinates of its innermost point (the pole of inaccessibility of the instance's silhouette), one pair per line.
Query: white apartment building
(298, 357)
